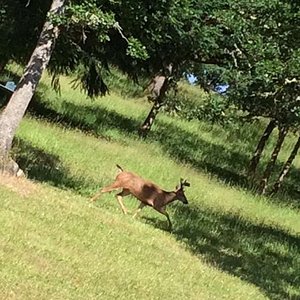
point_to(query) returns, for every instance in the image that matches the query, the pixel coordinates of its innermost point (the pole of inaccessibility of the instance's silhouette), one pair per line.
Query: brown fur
(147, 192)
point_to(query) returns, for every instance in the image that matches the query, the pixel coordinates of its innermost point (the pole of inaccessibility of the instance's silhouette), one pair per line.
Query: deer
(147, 192)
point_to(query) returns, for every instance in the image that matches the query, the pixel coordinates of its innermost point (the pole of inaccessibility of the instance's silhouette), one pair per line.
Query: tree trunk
(146, 126)
(157, 88)
(259, 149)
(12, 115)
(285, 168)
(268, 171)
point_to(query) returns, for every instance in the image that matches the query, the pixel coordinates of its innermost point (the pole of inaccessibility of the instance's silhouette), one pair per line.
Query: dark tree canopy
(20, 26)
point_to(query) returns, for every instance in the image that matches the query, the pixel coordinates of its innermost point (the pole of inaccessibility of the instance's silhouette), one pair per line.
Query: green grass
(227, 244)
(222, 152)
(55, 245)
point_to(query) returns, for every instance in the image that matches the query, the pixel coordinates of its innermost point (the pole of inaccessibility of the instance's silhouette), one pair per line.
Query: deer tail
(119, 167)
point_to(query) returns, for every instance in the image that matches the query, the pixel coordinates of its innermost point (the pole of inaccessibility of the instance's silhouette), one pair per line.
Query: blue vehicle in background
(6, 90)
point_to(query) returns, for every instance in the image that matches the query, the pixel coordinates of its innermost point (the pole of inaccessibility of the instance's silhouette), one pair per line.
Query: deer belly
(148, 201)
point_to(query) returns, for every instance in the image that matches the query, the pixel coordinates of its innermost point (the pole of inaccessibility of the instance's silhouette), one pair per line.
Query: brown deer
(146, 191)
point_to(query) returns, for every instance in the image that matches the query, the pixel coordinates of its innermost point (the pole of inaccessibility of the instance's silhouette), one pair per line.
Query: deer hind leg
(115, 185)
(106, 189)
(120, 196)
(141, 206)
(162, 210)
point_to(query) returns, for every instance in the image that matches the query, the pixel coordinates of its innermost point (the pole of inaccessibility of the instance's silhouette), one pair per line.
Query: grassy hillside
(227, 244)
(55, 245)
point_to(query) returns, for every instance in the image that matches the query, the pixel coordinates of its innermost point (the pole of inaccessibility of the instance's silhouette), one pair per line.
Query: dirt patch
(22, 186)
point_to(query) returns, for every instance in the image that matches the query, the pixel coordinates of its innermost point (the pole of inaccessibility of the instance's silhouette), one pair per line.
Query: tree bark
(259, 149)
(268, 171)
(146, 126)
(286, 168)
(158, 88)
(13, 113)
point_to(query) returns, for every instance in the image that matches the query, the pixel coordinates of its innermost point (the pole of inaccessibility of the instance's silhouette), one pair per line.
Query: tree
(20, 25)
(13, 113)
(157, 88)
(267, 173)
(259, 149)
(177, 34)
(84, 30)
(285, 168)
(262, 67)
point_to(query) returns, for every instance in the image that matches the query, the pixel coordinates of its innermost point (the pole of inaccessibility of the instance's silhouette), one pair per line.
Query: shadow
(46, 167)
(202, 155)
(97, 120)
(93, 120)
(290, 188)
(226, 164)
(264, 256)
(157, 223)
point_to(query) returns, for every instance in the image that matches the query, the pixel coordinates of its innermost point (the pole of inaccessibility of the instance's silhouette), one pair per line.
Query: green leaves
(91, 33)
(264, 50)
(135, 49)
(85, 15)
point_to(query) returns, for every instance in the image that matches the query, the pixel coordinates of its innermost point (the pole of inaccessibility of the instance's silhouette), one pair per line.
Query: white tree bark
(13, 113)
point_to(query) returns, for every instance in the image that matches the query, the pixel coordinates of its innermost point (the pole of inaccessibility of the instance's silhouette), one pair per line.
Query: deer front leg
(141, 206)
(162, 210)
(119, 196)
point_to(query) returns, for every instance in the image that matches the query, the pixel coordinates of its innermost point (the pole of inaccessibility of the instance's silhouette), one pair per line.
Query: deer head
(180, 191)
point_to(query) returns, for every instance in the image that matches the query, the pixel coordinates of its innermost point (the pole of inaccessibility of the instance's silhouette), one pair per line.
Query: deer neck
(169, 197)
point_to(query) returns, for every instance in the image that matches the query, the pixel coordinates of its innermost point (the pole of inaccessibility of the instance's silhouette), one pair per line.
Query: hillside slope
(227, 244)
(56, 245)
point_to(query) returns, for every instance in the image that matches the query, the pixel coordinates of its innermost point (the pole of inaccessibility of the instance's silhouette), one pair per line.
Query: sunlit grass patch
(57, 245)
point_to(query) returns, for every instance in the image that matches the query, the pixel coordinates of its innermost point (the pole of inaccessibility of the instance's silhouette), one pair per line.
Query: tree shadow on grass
(261, 255)
(290, 188)
(229, 166)
(180, 144)
(46, 167)
(94, 120)
(226, 164)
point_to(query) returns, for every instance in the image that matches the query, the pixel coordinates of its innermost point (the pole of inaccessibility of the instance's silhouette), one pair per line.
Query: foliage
(263, 73)
(85, 28)
(20, 25)
(120, 83)
(212, 108)
(174, 32)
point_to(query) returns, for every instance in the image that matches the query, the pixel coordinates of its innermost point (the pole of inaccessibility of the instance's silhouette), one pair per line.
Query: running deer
(146, 191)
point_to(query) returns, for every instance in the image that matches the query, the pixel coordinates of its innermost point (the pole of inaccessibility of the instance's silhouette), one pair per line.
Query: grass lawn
(55, 244)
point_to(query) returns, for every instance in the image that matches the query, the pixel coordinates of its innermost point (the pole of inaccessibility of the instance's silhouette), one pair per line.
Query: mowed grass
(55, 244)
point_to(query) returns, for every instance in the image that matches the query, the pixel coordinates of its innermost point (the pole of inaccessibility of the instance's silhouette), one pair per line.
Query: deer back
(145, 190)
